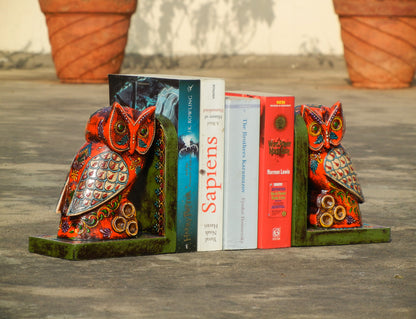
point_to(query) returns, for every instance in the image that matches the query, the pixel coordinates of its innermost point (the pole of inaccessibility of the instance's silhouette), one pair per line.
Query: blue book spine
(188, 165)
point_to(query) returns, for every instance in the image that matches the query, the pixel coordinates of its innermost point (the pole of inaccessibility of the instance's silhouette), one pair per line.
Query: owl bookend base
(120, 195)
(326, 194)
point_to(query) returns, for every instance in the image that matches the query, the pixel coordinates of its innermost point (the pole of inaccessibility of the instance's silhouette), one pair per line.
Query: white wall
(197, 27)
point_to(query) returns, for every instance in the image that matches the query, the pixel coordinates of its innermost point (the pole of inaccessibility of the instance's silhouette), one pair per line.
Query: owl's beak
(133, 142)
(327, 144)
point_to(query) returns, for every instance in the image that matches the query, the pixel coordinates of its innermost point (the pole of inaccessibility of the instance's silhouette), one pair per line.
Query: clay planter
(87, 37)
(379, 39)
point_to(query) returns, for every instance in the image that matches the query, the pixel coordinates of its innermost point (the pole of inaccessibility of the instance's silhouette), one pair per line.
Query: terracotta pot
(379, 39)
(87, 37)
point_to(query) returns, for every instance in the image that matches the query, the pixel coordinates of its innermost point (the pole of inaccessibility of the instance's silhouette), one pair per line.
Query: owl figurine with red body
(94, 202)
(334, 190)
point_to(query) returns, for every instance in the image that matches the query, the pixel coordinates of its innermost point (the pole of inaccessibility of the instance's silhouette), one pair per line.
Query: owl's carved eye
(336, 124)
(144, 132)
(120, 128)
(314, 129)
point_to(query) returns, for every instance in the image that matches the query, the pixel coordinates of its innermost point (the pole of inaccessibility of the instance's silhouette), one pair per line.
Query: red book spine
(276, 172)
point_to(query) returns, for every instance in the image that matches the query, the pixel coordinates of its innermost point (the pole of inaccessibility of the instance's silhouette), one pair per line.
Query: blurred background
(205, 29)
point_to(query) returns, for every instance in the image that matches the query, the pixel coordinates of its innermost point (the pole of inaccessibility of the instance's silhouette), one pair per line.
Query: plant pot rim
(88, 6)
(375, 7)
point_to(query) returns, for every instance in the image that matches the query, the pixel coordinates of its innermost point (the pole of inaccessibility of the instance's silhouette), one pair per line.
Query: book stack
(234, 163)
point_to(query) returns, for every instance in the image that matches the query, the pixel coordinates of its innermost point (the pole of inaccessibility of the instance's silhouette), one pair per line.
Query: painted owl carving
(94, 202)
(334, 189)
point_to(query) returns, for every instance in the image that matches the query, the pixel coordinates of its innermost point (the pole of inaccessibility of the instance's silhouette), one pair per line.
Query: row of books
(235, 159)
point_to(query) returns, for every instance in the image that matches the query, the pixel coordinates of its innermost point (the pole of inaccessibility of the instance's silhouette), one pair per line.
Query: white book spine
(241, 173)
(211, 165)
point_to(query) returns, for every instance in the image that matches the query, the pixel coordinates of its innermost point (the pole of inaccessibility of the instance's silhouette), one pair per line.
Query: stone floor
(42, 124)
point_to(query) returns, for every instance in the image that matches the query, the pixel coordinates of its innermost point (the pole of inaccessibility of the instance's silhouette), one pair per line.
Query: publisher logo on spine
(280, 122)
(276, 233)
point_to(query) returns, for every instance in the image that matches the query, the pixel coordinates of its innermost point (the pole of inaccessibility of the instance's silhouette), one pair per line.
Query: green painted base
(81, 250)
(301, 234)
(346, 236)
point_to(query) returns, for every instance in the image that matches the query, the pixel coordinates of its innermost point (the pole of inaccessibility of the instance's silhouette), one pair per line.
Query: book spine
(211, 165)
(241, 175)
(276, 172)
(187, 184)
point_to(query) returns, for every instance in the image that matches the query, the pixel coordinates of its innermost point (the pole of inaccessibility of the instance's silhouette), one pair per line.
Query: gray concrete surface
(41, 128)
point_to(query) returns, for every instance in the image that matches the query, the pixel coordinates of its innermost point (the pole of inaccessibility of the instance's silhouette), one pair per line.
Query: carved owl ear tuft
(302, 109)
(336, 124)
(312, 112)
(117, 130)
(312, 116)
(337, 104)
(146, 131)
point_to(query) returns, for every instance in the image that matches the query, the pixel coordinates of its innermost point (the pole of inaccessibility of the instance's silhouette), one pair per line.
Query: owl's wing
(103, 177)
(64, 194)
(338, 168)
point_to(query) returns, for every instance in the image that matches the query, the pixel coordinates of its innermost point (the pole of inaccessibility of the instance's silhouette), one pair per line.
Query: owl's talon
(132, 228)
(119, 224)
(340, 213)
(326, 220)
(128, 210)
(327, 201)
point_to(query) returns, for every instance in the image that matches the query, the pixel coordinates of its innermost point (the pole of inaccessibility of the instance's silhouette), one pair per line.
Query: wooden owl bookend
(334, 192)
(97, 201)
